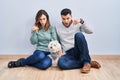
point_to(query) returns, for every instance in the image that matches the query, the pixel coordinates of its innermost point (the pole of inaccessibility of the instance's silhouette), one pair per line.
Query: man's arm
(84, 27)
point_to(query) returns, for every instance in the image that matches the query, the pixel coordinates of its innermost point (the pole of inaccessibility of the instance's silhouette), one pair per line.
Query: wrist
(81, 21)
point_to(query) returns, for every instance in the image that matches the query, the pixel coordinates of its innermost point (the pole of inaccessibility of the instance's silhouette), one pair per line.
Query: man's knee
(62, 64)
(79, 35)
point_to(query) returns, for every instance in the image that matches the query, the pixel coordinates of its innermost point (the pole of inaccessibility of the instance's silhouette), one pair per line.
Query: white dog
(55, 49)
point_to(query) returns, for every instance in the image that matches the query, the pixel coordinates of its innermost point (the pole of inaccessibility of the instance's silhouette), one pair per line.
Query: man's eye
(67, 18)
(63, 18)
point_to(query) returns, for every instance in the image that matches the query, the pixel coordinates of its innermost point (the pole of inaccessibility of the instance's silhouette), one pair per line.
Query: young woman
(42, 34)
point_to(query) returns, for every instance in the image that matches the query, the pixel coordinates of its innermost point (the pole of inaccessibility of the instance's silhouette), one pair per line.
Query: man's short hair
(66, 11)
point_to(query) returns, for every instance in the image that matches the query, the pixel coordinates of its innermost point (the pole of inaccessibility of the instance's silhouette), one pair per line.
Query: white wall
(17, 19)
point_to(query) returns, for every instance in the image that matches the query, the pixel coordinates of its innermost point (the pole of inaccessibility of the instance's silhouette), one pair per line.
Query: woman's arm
(34, 37)
(53, 33)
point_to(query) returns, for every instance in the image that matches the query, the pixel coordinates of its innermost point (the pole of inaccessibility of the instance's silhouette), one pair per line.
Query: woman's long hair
(38, 15)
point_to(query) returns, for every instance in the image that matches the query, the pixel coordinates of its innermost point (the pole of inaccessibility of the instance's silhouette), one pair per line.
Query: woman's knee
(39, 54)
(47, 62)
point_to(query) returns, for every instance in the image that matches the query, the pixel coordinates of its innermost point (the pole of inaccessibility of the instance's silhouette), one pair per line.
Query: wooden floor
(110, 70)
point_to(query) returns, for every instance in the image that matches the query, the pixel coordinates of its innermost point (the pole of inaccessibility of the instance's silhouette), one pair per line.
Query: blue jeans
(39, 59)
(77, 56)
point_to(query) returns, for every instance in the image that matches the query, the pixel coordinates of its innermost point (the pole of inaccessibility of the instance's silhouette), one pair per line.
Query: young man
(74, 43)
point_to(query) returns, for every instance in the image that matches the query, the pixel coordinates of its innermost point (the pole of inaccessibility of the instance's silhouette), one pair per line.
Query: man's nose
(66, 20)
